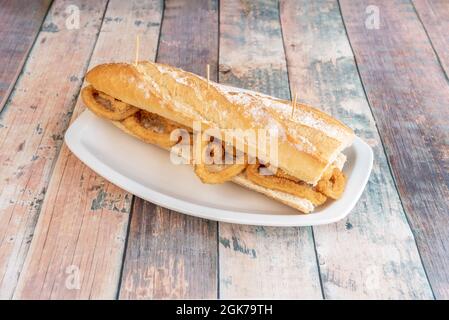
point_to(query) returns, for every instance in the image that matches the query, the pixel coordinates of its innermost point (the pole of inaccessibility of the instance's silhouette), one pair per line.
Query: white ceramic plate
(147, 172)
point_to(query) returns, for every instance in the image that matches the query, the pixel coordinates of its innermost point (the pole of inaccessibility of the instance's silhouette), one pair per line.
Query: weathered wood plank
(372, 253)
(20, 22)
(409, 96)
(260, 262)
(82, 227)
(32, 125)
(171, 255)
(434, 15)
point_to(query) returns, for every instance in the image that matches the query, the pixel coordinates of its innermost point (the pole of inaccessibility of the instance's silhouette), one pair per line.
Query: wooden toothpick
(208, 75)
(294, 103)
(137, 49)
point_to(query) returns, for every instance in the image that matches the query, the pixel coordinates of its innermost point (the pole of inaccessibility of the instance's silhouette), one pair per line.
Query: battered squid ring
(282, 174)
(225, 173)
(106, 106)
(285, 185)
(152, 128)
(334, 186)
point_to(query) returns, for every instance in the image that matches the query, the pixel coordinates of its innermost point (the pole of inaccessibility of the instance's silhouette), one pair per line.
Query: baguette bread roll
(309, 142)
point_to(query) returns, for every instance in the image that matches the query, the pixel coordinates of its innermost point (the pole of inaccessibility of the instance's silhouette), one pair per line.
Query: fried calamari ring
(152, 128)
(106, 106)
(334, 186)
(214, 174)
(273, 182)
(282, 174)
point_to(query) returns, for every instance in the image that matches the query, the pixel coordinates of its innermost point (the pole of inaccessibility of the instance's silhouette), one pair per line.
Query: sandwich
(174, 109)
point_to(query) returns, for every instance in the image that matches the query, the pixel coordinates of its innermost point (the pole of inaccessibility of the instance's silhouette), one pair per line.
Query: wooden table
(65, 232)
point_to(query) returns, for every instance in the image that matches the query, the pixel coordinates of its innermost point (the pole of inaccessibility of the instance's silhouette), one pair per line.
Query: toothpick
(294, 103)
(208, 75)
(137, 49)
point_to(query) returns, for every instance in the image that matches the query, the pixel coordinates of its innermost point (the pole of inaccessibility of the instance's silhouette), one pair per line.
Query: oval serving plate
(146, 171)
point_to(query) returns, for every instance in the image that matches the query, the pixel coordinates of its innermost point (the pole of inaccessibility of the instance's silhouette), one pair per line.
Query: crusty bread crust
(308, 142)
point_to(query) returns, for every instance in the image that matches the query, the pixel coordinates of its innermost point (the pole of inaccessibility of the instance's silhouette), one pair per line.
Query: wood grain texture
(32, 125)
(171, 255)
(372, 253)
(80, 237)
(20, 22)
(434, 15)
(409, 96)
(260, 262)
